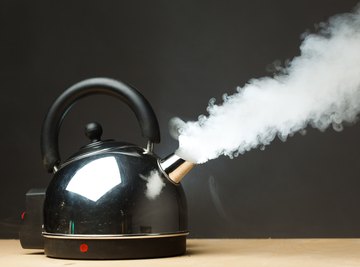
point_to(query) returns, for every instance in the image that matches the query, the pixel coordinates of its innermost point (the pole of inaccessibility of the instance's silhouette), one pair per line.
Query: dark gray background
(179, 54)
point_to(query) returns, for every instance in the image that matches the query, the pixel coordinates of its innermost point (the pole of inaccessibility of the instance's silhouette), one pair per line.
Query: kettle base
(136, 247)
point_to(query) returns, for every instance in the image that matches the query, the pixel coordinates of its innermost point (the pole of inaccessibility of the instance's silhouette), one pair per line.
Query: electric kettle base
(114, 248)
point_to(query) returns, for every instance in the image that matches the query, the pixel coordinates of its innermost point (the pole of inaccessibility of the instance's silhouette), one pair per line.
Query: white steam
(154, 184)
(321, 87)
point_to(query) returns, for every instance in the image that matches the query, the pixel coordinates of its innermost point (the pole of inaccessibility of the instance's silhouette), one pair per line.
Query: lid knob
(93, 131)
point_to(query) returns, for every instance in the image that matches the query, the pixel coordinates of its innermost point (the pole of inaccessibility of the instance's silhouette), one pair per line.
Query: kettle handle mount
(134, 99)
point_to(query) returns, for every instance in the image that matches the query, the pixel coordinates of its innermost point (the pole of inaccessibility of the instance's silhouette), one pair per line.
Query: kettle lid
(93, 131)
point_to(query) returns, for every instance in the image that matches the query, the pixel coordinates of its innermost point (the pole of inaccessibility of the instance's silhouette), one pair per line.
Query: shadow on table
(195, 249)
(35, 253)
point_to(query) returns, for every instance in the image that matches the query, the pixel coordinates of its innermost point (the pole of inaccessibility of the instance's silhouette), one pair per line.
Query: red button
(84, 248)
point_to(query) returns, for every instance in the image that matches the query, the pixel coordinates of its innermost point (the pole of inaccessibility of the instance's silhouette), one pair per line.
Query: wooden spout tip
(179, 173)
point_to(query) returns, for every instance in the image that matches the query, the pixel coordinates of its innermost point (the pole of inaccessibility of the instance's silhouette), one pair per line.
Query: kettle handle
(134, 99)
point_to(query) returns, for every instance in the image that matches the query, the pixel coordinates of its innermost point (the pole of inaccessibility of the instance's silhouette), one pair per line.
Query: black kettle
(112, 200)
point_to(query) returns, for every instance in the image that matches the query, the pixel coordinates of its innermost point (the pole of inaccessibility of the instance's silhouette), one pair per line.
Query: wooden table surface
(215, 252)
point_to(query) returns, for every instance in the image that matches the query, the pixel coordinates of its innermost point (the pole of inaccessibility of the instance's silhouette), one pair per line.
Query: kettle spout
(175, 167)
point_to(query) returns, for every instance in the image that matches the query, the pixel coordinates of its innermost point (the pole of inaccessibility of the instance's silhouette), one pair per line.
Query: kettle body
(110, 200)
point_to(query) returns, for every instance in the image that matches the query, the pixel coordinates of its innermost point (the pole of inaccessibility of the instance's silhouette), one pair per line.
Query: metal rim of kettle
(132, 97)
(104, 237)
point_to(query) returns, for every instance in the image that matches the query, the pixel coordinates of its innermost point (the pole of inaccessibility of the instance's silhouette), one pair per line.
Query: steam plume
(321, 87)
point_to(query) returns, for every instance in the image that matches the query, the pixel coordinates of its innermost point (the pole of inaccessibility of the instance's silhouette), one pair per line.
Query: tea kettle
(111, 199)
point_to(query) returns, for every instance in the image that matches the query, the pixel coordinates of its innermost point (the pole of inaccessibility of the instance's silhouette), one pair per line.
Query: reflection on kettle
(96, 178)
